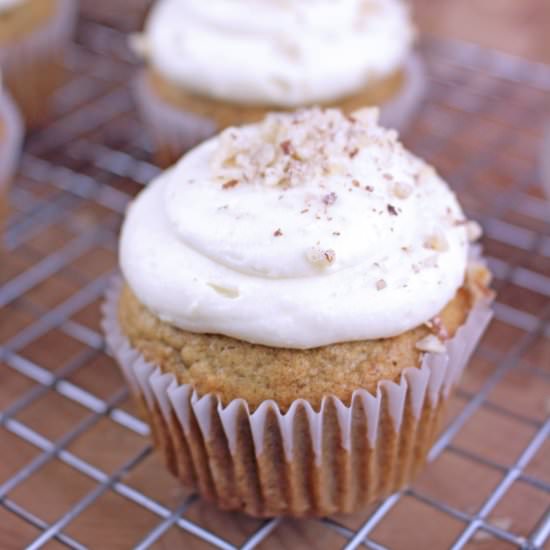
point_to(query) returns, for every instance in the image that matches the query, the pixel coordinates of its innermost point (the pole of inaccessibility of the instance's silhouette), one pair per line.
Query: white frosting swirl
(6, 5)
(368, 244)
(285, 53)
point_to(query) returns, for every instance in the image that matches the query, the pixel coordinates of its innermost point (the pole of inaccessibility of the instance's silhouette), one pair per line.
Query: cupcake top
(283, 53)
(304, 230)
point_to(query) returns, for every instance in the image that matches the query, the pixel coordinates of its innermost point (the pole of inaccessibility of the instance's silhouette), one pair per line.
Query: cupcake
(299, 297)
(11, 137)
(211, 65)
(33, 36)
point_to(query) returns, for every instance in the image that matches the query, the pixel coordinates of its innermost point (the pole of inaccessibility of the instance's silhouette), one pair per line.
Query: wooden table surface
(519, 27)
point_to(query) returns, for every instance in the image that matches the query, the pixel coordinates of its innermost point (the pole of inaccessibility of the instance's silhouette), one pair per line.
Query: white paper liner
(178, 130)
(11, 141)
(432, 381)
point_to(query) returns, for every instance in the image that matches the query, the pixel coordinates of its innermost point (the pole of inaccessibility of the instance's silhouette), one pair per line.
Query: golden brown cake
(300, 296)
(33, 37)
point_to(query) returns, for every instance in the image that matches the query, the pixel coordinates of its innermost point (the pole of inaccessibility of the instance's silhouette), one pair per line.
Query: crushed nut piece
(438, 328)
(381, 284)
(392, 210)
(320, 258)
(402, 190)
(437, 242)
(278, 233)
(431, 344)
(330, 199)
(473, 230)
(230, 184)
(369, 188)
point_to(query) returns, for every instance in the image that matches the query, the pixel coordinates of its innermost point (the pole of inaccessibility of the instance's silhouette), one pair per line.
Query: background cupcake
(33, 36)
(11, 138)
(298, 301)
(220, 63)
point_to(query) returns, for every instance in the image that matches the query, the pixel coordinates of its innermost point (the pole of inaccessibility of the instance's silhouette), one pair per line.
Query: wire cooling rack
(76, 467)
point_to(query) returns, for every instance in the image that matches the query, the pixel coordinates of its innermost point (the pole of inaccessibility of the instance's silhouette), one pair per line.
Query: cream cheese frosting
(301, 231)
(284, 53)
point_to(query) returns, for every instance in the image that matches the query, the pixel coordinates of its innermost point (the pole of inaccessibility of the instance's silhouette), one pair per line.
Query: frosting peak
(285, 53)
(336, 233)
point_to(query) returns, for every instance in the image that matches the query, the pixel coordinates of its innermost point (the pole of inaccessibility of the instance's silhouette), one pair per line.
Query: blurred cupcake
(11, 137)
(33, 37)
(299, 298)
(221, 63)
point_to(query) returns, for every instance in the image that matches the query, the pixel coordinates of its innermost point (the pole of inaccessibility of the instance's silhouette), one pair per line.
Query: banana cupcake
(11, 137)
(33, 36)
(299, 297)
(210, 65)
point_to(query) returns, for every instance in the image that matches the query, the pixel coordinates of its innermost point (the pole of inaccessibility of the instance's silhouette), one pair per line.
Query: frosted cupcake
(299, 298)
(33, 37)
(11, 137)
(220, 63)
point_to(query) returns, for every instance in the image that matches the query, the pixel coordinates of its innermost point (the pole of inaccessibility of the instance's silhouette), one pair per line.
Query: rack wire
(76, 466)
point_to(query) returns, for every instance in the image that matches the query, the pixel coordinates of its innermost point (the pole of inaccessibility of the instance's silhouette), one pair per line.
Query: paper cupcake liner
(301, 462)
(32, 66)
(174, 130)
(10, 149)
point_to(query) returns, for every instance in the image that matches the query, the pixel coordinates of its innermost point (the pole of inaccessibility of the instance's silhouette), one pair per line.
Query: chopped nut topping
(320, 258)
(437, 242)
(278, 233)
(402, 190)
(438, 328)
(330, 198)
(392, 210)
(431, 344)
(230, 184)
(288, 149)
(381, 284)
(473, 230)
(369, 188)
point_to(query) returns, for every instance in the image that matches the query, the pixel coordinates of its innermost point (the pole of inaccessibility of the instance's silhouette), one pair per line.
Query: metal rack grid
(76, 468)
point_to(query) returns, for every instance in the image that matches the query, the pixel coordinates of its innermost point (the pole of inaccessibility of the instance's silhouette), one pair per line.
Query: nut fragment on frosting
(300, 216)
(290, 149)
